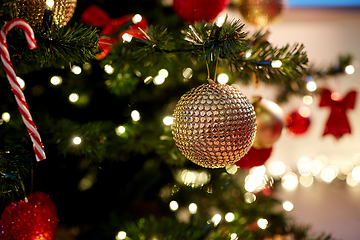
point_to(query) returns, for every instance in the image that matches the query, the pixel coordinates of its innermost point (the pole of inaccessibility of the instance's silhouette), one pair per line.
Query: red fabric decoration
(298, 122)
(35, 219)
(97, 17)
(199, 10)
(337, 123)
(255, 157)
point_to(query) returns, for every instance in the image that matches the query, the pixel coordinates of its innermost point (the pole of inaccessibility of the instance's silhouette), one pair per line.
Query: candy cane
(10, 73)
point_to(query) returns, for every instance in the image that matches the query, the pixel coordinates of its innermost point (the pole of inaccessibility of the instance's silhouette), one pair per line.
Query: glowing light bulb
(308, 100)
(126, 37)
(277, 168)
(276, 64)
(173, 205)
(249, 197)
(220, 21)
(262, 223)
(311, 86)
(288, 206)
(289, 181)
(328, 174)
(5, 117)
(21, 82)
(121, 235)
(187, 73)
(229, 217)
(148, 79)
(76, 70)
(136, 19)
(356, 173)
(223, 78)
(74, 97)
(120, 130)
(159, 79)
(248, 54)
(250, 186)
(216, 219)
(164, 73)
(233, 236)
(108, 69)
(168, 120)
(135, 115)
(304, 111)
(76, 140)
(192, 208)
(50, 3)
(350, 69)
(55, 80)
(231, 169)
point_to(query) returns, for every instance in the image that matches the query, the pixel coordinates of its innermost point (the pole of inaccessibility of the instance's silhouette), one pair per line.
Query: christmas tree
(123, 98)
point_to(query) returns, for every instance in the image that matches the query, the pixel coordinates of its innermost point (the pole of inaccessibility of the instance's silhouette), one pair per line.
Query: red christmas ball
(255, 157)
(31, 219)
(270, 122)
(298, 122)
(199, 10)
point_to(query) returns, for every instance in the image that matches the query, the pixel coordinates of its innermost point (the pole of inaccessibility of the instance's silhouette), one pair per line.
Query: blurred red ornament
(261, 12)
(33, 219)
(255, 157)
(193, 11)
(337, 124)
(270, 122)
(298, 122)
(97, 17)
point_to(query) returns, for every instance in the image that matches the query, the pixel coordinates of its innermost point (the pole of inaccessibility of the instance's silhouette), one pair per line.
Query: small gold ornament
(270, 122)
(33, 11)
(214, 125)
(261, 12)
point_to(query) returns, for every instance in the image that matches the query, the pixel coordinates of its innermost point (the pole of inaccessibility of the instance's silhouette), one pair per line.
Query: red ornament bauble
(298, 122)
(33, 219)
(214, 125)
(255, 157)
(261, 12)
(270, 122)
(199, 10)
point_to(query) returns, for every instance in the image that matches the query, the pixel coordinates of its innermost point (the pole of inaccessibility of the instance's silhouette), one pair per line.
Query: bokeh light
(349, 69)
(276, 64)
(223, 78)
(76, 70)
(193, 208)
(289, 181)
(5, 116)
(76, 140)
(173, 205)
(74, 97)
(55, 80)
(288, 206)
(135, 115)
(262, 223)
(229, 217)
(168, 120)
(21, 82)
(121, 235)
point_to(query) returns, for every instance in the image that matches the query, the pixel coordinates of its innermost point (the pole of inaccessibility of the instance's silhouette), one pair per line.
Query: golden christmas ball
(214, 125)
(270, 122)
(261, 12)
(33, 11)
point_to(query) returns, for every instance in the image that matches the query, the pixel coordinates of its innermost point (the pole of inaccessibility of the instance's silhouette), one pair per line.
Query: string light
(233, 236)
(349, 69)
(276, 64)
(164, 73)
(289, 181)
(231, 169)
(76, 140)
(108, 69)
(148, 79)
(187, 73)
(328, 174)
(311, 86)
(173, 205)
(277, 168)
(304, 166)
(55, 80)
(120, 130)
(356, 173)
(158, 80)
(249, 197)
(306, 181)
(262, 223)
(126, 37)
(220, 21)
(216, 219)
(229, 217)
(74, 97)
(192, 208)
(135, 115)
(21, 82)
(248, 54)
(137, 18)
(121, 235)
(5, 117)
(223, 78)
(288, 206)
(308, 100)
(168, 120)
(76, 70)
(50, 3)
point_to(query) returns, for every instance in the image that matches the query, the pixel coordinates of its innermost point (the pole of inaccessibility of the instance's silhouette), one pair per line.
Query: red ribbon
(337, 123)
(97, 17)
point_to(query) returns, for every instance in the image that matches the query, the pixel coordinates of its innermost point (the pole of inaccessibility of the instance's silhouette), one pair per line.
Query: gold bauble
(32, 11)
(261, 12)
(270, 122)
(214, 125)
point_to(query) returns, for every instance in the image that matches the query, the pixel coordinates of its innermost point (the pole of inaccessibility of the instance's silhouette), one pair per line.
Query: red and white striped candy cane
(10, 73)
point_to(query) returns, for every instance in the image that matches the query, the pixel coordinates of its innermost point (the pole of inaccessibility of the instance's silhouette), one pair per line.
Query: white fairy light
(76, 70)
(5, 117)
(126, 37)
(21, 82)
(223, 78)
(276, 64)
(159, 79)
(262, 223)
(74, 97)
(137, 18)
(229, 217)
(55, 80)
(173, 205)
(108, 69)
(168, 120)
(349, 69)
(288, 206)
(192, 208)
(76, 140)
(121, 235)
(135, 115)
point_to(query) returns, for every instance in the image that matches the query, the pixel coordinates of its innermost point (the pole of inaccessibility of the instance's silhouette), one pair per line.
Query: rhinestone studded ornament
(214, 125)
